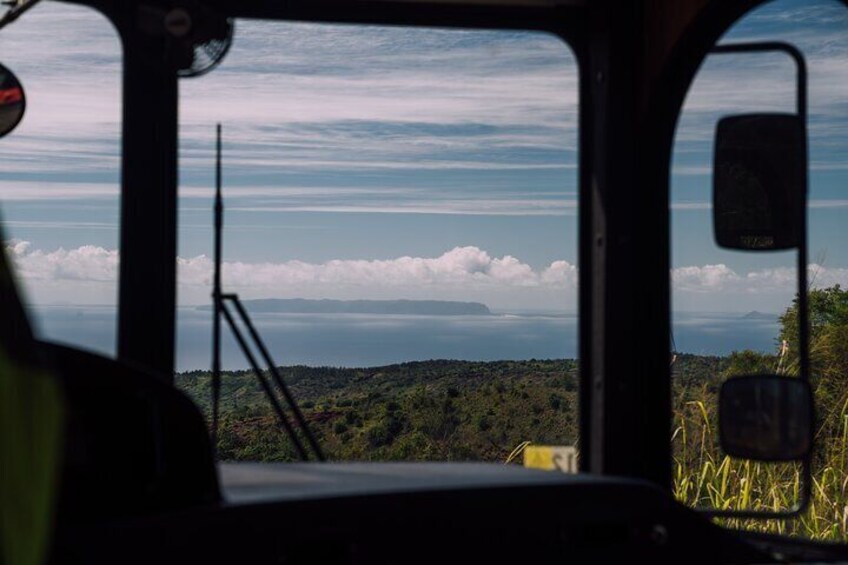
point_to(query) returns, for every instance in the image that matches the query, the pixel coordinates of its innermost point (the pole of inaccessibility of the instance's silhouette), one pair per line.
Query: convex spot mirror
(760, 181)
(12, 101)
(766, 418)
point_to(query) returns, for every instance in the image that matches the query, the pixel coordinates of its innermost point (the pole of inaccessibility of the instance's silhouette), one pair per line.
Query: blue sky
(365, 162)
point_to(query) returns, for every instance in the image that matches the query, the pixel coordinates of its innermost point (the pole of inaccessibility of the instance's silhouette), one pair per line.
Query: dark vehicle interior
(139, 482)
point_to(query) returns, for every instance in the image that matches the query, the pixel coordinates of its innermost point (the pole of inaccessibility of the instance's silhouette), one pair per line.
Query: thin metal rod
(803, 275)
(216, 294)
(776, 46)
(803, 314)
(272, 367)
(275, 403)
(16, 11)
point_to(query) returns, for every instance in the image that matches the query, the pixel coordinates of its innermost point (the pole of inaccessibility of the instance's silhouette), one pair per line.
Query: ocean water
(359, 340)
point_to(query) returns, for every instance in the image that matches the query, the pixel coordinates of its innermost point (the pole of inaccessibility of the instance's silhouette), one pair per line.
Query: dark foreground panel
(412, 513)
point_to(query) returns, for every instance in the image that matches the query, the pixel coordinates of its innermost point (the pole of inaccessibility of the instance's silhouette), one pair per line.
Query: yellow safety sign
(551, 458)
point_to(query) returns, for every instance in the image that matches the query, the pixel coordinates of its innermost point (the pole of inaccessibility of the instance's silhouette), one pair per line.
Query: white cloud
(88, 275)
(87, 263)
(830, 12)
(691, 205)
(262, 198)
(466, 267)
(70, 276)
(707, 278)
(560, 273)
(721, 279)
(827, 203)
(466, 207)
(739, 83)
(300, 98)
(51, 190)
(342, 74)
(85, 275)
(719, 288)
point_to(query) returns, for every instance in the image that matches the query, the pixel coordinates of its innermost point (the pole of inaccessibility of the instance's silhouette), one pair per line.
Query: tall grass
(705, 477)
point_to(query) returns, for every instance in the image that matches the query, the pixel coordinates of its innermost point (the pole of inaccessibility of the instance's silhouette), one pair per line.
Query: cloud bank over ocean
(89, 274)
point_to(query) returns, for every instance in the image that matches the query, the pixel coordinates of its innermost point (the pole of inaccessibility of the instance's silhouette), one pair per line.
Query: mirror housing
(12, 101)
(766, 418)
(760, 181)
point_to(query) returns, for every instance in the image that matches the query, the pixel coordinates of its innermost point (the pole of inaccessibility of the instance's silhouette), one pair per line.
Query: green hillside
(431, 410)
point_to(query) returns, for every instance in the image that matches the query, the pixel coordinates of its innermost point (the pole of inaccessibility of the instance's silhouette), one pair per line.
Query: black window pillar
(624, 277)
(147, 287)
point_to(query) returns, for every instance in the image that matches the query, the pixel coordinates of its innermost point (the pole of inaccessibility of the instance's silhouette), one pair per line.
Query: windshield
(400, 223)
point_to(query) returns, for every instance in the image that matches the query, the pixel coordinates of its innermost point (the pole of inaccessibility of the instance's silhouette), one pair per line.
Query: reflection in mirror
(12, 101)
(759, 181)
(766, 417)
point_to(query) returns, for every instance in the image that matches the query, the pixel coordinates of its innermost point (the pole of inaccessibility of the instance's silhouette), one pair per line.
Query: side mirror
(12, 101)
(760, 181)
(766, 418)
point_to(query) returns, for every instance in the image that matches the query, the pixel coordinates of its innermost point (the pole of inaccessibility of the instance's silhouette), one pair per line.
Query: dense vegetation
(430, 410)
(433, 410)
(457, 410)
(706, 477)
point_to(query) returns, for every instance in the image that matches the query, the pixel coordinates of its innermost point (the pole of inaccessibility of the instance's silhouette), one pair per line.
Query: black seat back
(134, 444)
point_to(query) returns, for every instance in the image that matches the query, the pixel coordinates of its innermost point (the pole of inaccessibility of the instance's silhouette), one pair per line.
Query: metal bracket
(803, 313)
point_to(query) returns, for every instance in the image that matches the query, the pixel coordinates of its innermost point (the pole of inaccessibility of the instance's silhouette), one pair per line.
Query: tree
(748, 362)
(828, 340)
(828, 317)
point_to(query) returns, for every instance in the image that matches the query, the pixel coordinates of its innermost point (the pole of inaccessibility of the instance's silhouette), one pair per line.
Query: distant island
(326, 306)
(755, 315)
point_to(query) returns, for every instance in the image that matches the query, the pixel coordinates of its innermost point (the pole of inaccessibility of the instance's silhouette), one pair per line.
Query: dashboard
(140, 486)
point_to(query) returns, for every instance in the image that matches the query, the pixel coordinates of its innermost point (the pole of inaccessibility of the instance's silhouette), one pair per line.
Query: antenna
(219, 308)
(216, 293)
